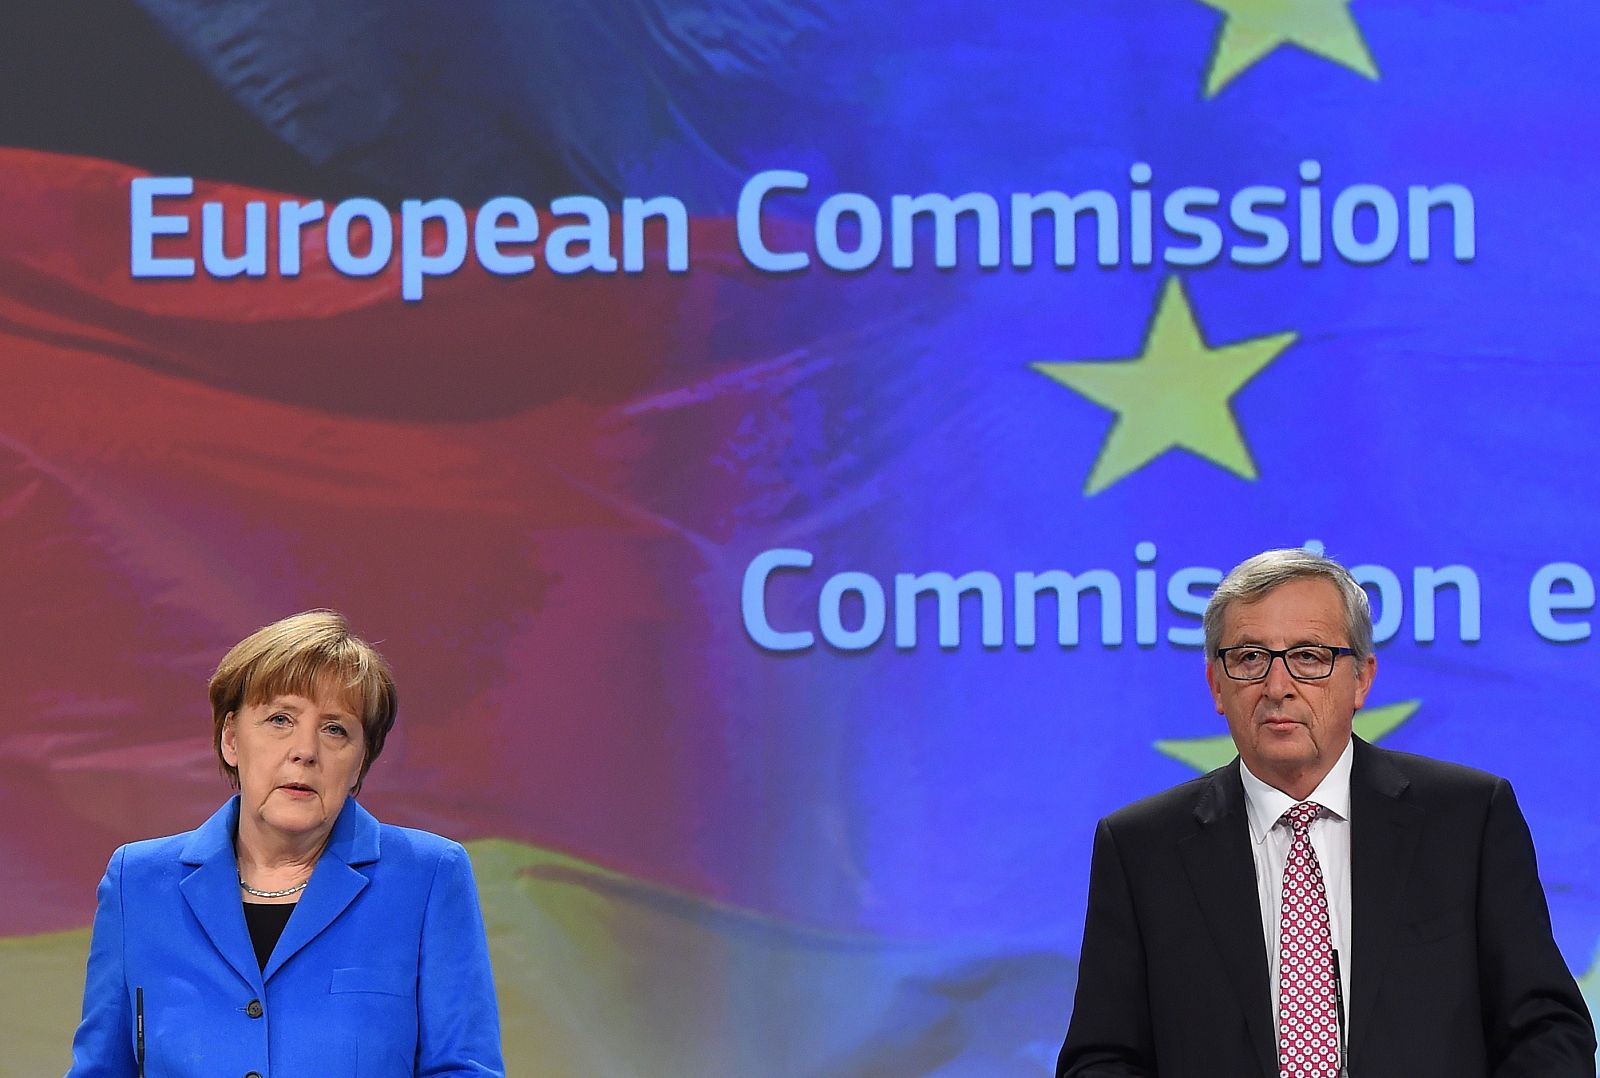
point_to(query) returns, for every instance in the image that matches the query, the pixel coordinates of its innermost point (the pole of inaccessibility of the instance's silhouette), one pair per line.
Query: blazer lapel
(1383, 844)
(1222, 872)
(335, 883)
(212, 891)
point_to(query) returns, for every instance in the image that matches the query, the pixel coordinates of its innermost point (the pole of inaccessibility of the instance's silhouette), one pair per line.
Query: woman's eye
(279, 719)
(336, 730)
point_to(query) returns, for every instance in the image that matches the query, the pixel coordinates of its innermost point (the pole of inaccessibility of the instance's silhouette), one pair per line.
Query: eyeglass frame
(1283, 654)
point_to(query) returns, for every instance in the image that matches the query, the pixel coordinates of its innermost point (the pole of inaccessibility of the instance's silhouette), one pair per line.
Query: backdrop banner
(784, 448)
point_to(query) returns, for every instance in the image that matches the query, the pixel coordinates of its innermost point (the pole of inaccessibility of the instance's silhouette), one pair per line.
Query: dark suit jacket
(1454, 972)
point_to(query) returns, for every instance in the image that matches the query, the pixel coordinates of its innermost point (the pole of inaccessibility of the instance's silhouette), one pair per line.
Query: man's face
(1290, 732)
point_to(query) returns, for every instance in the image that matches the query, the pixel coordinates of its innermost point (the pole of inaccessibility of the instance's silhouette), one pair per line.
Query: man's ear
(230, 749)
(1214, 684)
(1364, 675)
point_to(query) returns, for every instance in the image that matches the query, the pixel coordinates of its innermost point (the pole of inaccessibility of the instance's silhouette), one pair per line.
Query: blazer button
(253, 1009)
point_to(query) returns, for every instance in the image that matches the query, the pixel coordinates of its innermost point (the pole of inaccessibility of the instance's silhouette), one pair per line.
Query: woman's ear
(230, 749)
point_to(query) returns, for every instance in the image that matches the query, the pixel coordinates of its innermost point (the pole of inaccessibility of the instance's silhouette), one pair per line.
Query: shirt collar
(1265, 804)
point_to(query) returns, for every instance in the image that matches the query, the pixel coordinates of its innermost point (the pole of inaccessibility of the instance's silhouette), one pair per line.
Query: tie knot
(1301, 815)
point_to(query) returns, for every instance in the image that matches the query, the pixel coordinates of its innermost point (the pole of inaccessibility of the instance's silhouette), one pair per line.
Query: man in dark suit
(1232, 918)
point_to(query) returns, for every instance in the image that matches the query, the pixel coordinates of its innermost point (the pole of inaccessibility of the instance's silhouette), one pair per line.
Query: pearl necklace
(285, 893)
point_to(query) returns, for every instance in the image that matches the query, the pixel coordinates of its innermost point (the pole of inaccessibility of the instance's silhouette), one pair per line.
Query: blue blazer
(382, 970)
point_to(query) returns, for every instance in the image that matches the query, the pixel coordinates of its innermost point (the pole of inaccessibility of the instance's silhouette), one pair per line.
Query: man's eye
(1305, 655)
(1248, 655)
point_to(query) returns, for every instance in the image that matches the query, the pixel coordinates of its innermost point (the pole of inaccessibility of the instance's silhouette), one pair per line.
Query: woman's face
(298, 760)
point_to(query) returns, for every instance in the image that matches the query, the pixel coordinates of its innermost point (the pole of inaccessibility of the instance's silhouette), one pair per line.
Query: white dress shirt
(1330, 838)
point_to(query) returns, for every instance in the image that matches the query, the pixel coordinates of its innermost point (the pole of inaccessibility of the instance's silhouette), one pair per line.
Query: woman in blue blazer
(291, 934)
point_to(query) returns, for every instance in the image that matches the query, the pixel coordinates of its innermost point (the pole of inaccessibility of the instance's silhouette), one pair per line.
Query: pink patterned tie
(1308, 1033)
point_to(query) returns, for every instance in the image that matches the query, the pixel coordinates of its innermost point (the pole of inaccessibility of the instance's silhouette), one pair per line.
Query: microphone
(1338, 1010)
(138, 996)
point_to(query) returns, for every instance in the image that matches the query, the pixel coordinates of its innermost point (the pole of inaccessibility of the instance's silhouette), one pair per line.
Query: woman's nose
(303, 749)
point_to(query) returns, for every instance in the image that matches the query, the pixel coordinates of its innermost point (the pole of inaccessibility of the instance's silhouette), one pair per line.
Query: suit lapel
(1222, 872)
(212, 891)
(335, 883)
(1383, 843)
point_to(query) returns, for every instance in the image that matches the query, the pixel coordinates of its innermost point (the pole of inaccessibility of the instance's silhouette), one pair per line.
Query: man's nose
(1278, 682)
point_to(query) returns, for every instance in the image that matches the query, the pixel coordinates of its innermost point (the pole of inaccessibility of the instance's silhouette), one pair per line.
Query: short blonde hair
(304, 654)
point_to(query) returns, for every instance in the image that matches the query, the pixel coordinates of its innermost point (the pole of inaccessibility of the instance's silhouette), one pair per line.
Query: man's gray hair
(1252, 578)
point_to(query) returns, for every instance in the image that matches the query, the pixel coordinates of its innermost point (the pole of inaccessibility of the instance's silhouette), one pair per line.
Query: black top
(265, 921)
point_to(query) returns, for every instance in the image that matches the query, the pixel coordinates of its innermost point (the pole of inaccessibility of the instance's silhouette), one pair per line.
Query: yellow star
(1174, 395)
(1209, 753)
(1589, 983)
(1256, 27)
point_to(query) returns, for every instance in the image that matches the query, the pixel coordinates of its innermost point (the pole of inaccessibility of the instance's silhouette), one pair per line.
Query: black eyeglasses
(1305, 662)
